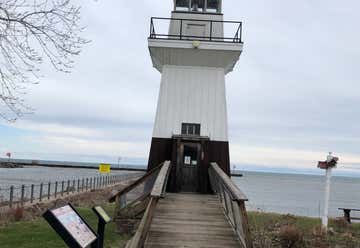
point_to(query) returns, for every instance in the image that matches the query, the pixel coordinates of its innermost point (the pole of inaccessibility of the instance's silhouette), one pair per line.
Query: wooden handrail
(237, 194)
(139, 238)
(233, 202)
(134, 184)
(159, 187)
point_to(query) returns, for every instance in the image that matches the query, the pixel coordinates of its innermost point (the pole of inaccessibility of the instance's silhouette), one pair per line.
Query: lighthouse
(193, 50)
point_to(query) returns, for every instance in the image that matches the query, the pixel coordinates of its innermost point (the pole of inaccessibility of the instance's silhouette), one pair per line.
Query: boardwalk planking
(190, 220)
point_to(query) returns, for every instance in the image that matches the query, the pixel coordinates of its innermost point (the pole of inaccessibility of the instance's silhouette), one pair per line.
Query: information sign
(70, 226)
(104, 168)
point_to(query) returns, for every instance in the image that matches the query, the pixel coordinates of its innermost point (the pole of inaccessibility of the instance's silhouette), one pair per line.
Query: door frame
(180, 162)
(176, 175)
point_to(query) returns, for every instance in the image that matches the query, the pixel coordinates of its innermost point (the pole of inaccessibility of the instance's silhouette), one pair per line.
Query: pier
(190, 220)
(183, 219)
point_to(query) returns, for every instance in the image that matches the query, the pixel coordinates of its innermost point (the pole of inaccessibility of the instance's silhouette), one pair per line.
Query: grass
(38, 233)
(265, 229)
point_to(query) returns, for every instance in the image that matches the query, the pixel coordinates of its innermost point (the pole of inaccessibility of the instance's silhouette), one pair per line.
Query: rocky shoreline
(9, 165)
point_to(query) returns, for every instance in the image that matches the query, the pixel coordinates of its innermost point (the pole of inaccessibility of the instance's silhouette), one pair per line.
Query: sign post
(103, 220)
(73, 229)
(327, 165)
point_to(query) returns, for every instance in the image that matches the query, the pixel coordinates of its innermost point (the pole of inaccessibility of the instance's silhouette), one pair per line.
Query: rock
(9, 165)
(331, 231)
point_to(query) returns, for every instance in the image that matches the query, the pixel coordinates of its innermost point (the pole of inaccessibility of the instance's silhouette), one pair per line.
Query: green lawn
(264, 226)
(38, 233)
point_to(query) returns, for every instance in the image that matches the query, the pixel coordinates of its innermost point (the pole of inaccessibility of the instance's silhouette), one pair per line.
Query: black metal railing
(212, 34)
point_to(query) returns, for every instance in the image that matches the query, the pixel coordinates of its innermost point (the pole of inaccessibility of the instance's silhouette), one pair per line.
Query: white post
(327, 198)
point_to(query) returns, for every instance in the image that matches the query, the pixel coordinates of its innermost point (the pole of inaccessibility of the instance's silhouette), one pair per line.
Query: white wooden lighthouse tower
(193, 55)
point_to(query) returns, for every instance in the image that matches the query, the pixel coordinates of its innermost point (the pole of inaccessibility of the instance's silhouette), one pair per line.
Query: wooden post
(68, 187)
(347, 215)
(22, 195)
(225, 201)
(49, 190)
(82, 185)
(11, 196)
(87, 184)
(140, 236)
(62, 188)
(234, 215)
(41, 192)
(122, 201)
(245, 224)
(56, 186)
(90, 183)
(32, 194)
(74, 187)
(78, 185)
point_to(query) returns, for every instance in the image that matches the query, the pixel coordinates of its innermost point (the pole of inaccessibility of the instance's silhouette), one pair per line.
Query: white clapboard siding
(192, 95)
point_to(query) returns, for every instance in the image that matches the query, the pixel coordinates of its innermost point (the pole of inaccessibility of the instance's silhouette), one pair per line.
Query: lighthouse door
(189, 164)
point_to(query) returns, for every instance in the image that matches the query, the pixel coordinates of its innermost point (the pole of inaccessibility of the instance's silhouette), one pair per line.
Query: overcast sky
(293, 96)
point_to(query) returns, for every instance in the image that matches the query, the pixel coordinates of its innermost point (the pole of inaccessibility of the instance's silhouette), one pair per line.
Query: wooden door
(190, 154)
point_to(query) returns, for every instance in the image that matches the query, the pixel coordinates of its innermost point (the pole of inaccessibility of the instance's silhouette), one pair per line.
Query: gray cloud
(295, 87)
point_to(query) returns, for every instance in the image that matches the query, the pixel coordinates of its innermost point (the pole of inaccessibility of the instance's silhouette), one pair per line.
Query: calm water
(36, 175)
(298, 194)
(279, 193)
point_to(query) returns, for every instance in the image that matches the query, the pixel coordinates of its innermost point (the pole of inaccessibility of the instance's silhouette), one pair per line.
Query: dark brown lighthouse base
(190, 158)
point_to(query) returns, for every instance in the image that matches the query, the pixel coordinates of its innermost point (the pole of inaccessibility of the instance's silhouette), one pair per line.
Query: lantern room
(206, 6)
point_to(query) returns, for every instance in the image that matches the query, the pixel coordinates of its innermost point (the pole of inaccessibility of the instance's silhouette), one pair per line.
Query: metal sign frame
(63, 232)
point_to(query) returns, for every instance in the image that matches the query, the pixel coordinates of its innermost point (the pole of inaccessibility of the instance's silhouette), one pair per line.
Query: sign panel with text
(70, 226)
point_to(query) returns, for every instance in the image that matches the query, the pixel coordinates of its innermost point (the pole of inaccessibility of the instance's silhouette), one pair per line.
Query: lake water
(298, 194)
(36, 175)
(279, 193)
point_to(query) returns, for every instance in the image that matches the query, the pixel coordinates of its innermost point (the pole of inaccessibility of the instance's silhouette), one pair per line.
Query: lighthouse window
(190, 129)
(213, 6)
(197, 5)
(182, 5)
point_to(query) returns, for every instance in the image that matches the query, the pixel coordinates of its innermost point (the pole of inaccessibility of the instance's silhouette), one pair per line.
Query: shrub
(290, 236)
(18, 213)
(341, 224)
(319, 232)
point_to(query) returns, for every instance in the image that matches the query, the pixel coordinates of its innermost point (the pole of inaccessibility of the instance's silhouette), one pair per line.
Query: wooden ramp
(190, 220)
